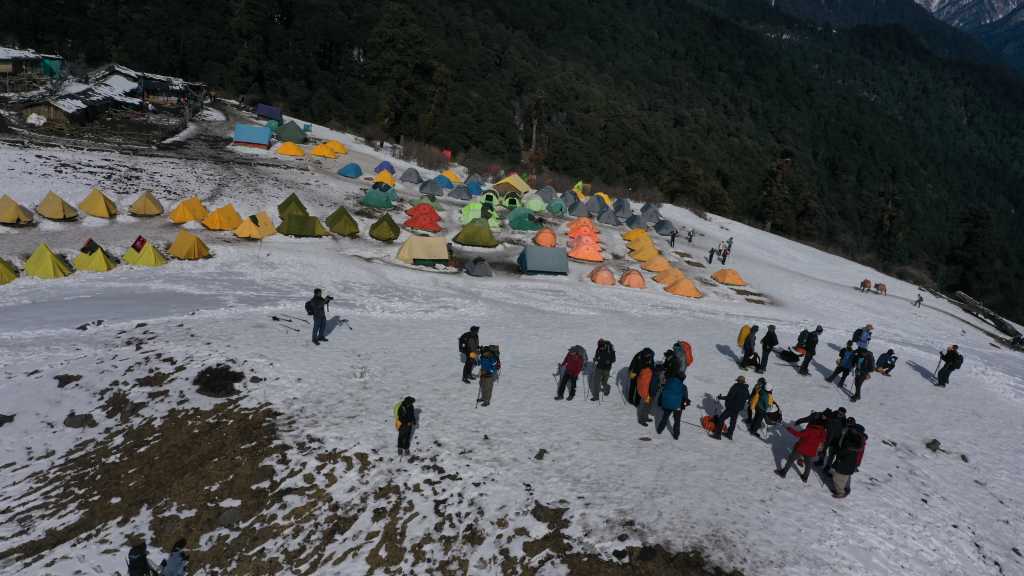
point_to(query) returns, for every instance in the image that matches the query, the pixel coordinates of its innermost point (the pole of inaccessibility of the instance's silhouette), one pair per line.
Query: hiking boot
(854, 398)
(323, 339)
(465, 381)
(485, 404)
(780, 473)
(804, 477)
(559, 397)
(317, 342)
(838, 496)
(571, 396)
(754, 433)
(594, 399)
(728, 435)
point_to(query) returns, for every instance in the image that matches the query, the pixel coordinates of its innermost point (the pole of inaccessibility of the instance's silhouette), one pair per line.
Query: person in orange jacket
(806, 449)
(644, 392)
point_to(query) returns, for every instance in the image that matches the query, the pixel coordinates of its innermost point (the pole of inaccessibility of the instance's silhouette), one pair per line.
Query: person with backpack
(571, 367)
(469, 348)
(672, 239)
(749, 346)
(864, 365)
(844, 364)
(919, 301)
(761, 402)
(490, 364)
(807, 446)
(645, 392)
(604, 358)
(176, 562)
(835, 426)
(689, 236)
(405, 422)
(735, 401)
(138, 561)
(810, 347)
(848, 457)
(711, 255)
(674, 398)
(952, 360)
(768, 343)
(886, 363)
(862, 336)
(317, 307)
(642, 359)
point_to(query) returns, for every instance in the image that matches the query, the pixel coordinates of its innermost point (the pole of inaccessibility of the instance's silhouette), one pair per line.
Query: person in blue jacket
(674, 399)
(844, 364)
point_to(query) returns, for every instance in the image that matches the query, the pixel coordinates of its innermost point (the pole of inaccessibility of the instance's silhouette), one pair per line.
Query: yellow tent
(13, 213)
(656, 264)
(188, 246)
(290, 149)
(424, 250)
(223, 218)
(188, 210)
(147, 256)
(606, 198)
(645, 254)
(729, 277)
(512, 183)
(7, 272)
(635, 234)
(324, 151)
(669, 277)
(451, 175)
(684, 287)
(97, 261)
(580, 195)
(45, 264)
(98, 205)
(640, 243)
(146, 205)
(385, 177)
(337, 147)
(256, 227)
(54, 207)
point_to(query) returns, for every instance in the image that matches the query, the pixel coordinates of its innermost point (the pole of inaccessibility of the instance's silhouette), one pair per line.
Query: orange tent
(582, 231)
(587, 252)
(645, 254)
(603, 276)
(545, 237)
(632, 279)
(656, 264)
(583, 240)
(581, 222)
(729, 277)
(669, 277)
(684, 287)
(635, 234)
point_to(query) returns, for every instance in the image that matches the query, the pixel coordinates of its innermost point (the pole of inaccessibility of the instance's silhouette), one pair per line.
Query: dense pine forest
(863, 141)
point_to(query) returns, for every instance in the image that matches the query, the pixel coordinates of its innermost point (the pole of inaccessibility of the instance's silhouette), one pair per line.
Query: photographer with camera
(317, 308)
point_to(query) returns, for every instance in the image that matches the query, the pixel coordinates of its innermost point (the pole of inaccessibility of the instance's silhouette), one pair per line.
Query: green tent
(512, 200)
(385, 229)
(536, 204)
(474, 210)
(302, 226)
(342, 223)
(273, 125)
(476, 233)
(375, 198)
(556, 207)
(291, 132)
(522, 219)
(291, 205)
(392, 194)
(490, 196)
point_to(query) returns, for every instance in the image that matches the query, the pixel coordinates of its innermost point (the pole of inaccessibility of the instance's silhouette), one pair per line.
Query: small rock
(255, 379)
(540, 454)
(620, 554)
(140, 325)
(5, 419)
(623, 537)
(65, 379)
(1016, 551)
(933, 445)
(964, 458)
(83, 327)
(80, 421)
(229, 517)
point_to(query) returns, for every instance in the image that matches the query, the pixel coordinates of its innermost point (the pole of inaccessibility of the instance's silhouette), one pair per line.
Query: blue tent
(385, 165)
(351, 170)
(444, 182)
(250, 135)
(268, 112)
(475, 189)
(538, 260)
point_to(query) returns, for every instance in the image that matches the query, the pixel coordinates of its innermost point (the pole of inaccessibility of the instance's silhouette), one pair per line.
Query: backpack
(463, 340)
(137, 564)
(309, 307)
(742, 338)
(857, 334)
(801, 340)
(687, 351)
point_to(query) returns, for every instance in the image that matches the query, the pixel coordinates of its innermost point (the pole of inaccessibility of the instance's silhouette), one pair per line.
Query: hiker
(844, 364)
(835, 425)
(138, 561)
(682, 359)
(571, 367)
(810, 348)
(735, 400)
(952, 361)
(729, 243)
(724, 255)
(642, 359)
(317, 308)
(919, 301)
(644, 388)
(749, 346)
(405, 422)
(806, 448)
(673, 400)
(768, 343)
(711, 255)
(886, 362)
(862, 336)
(489, 366)
(469, 348)
(864, 365)
(672, 238)
(761, 401)
(689, 236)
(604, 357)
(848, 457)
(176, 562)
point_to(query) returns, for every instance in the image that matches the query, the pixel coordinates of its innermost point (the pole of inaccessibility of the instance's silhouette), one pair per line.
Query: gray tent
(665, 228)
(539, 260)
(622, 208)
(460, 192)
(608, 217)
(636, 221)
(479, 268)
(412, 176)
(648, 206)
(578, 210)
(475, 178)
(547, 193)
(431, 188)
(569, 197)
(595, 205)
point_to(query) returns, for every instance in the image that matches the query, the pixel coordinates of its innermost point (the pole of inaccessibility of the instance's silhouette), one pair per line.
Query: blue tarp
(268, 111)
(444, 182)
(351, 170)
(250, 134)
(385, 165)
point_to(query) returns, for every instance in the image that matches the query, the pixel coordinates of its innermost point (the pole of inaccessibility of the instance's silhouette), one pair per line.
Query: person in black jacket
(405, 421)
(863, 366)
(952, 361)
(886, 362)
(317, 307)
(749, 347)
(138, 561)
(768, 343)
(835, 425)
(469, 347)
(847, 459)
(735, 401)
(810, 348)
(642, 359)
(604, 358)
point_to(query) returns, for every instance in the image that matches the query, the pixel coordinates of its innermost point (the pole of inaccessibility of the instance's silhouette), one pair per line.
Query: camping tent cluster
(290, 135)
(584, 241)
(55, 208)
(642, 250)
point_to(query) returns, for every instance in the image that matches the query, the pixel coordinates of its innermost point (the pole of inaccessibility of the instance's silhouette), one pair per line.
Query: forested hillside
(860, 140)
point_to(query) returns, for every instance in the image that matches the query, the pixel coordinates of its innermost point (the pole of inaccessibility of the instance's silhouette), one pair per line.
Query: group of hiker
(175, 564)
(831, 441)
(674, 234)
(722, 251)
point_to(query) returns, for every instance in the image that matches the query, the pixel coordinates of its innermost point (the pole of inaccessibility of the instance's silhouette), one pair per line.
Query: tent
(579, 209)
(146, 205)
(273, 125)
(545, 237)
(45, 264)
(460, 192)
(640, 244)
(385, 229)
(452, 176)
(291, 205)
(290, 132)
(290, 149)
(656, 264)
(604, 197)
(444, 182)
(384, 166)
(385, 177)
(430, 201)
(669, 277)
(645, 254)
(188, 210)
(144, 253)
(569, 197)
(188, 246)
(377, 198)
(8, 273)
(602, 275)
(556, 207)
(423, 217)
(54, 207)
(648, 208)
(12, 213)
(586, 251)
(256, 227)
(637, 222)
(223, 218)
(252, 136)
(512, 183)
(475, 187)
(595, 205)
(684, 287)
(512, 200)
(412, 176)
(324, 151)
(476, 233)
(608, 217)
(547, 193)
(540, 260)
(479, 268)
(98, 205)
(634, 234)
(632, 279)
(490, 197)
(622, 208)
(302, 226)
(474, 178)
(350, 170)
(665, 228)
(729, 277)
(341, 223)
(269, 112)
(337, 147)
(522, 219)
(431, 188)
(424, 251)
(535, 203)
(94, 258)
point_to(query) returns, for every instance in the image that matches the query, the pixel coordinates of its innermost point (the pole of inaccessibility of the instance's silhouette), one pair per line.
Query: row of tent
(96, 204)
(642, 250)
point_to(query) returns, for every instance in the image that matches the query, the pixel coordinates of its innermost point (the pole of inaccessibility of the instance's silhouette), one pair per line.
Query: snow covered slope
(527, 485)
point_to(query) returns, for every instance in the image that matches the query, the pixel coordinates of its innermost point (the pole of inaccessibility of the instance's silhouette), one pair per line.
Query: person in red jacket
(571, 368)
(806, 449)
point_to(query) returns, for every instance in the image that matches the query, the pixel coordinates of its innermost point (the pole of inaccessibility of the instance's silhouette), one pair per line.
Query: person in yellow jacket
(761, 402)
(405, 421)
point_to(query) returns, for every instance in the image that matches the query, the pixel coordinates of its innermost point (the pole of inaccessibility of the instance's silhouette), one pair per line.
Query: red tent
(423, 217)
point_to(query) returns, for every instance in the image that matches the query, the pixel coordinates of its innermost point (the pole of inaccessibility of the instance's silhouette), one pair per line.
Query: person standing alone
(317, 308)
(604, 358)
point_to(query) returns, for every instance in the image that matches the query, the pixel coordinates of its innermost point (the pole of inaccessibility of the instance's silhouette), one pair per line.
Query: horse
(865, 285)
(881, 289)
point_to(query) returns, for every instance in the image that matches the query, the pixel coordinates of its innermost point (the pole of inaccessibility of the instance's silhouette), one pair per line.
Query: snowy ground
(912, 511)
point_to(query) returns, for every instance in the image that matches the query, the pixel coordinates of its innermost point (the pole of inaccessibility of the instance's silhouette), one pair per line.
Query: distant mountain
(970, 14)
(1006, 37)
